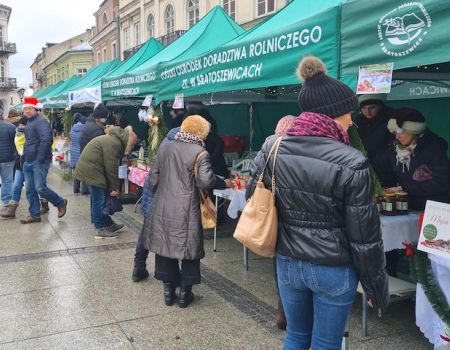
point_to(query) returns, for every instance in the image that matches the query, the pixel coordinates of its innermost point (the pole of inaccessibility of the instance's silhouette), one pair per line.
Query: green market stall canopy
(408, 33)
(92, 92)
(263, 57)
(87, 89)
(50, 100)
(215, 29)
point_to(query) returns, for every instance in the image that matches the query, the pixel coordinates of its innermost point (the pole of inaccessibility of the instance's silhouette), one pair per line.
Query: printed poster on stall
(435, 232)
(178, 103)
(375, 79)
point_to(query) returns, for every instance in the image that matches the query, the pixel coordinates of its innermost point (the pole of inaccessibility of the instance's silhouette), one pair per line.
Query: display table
(395, 229)
(137, 176)
(426, 319)
(398, 229)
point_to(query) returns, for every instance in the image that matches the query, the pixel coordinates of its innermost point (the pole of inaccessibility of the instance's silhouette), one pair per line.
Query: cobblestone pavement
(62, 289)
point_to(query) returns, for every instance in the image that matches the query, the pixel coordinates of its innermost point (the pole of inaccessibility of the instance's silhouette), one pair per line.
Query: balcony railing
(9, 48)
(130, 52)
(165, 40)
(171, 37)
(8, 83)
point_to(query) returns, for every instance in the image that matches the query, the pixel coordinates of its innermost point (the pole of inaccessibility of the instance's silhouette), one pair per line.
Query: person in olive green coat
(98, 166)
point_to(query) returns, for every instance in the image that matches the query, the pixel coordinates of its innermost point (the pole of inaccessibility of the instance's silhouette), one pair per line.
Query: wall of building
(49, 54)
(66, 66)
(134, 14)
(6, 86)
(104, 42)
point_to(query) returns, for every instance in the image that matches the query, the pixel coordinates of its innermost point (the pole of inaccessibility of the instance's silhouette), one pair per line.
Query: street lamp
(21, 92)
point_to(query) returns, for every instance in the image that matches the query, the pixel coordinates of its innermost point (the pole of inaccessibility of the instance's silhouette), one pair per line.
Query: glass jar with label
(379, 201)
(389, 204)
(402, 202)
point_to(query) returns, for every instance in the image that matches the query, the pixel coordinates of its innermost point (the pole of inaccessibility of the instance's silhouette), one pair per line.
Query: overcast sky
(36, 22)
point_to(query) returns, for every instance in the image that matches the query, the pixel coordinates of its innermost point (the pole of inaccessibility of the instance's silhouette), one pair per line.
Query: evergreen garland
(356, 142)
(434, 293)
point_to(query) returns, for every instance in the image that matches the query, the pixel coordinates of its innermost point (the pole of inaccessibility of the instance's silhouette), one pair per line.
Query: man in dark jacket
(98, 166)
(37, 156)
(94, 126)
(372, 125)
(7, 159)
(78, 123)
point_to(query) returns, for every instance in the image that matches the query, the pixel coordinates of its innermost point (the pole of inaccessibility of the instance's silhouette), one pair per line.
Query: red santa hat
(30, 102)
(408, 120)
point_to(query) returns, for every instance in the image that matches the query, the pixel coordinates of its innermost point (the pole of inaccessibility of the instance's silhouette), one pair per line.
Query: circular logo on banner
(402, 30)
(430, 231)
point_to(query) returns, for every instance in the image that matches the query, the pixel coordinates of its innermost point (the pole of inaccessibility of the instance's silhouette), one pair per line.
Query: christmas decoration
(156, 133)
(424, 275)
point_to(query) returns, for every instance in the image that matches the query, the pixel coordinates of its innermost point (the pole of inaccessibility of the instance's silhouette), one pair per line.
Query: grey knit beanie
(321, 93)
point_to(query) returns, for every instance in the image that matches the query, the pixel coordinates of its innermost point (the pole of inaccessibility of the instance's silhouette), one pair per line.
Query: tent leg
(250, 115)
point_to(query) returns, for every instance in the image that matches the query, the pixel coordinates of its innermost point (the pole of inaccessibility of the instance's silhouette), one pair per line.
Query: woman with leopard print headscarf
(173, 230)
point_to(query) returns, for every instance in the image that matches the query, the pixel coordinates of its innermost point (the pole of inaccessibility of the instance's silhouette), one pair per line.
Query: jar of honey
(402, 202)
(389, 204)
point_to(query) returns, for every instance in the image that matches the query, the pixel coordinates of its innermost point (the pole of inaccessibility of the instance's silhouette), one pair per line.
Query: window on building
(81, 72)
(1, 34)
(137, 34)
(230, 7)
(114, 50)
(105, 19)
(2, 69)
(99, 59)
(126, 38)
(105, 56)
(169, 19)
(264, 7)
(151, 26)
(192, 12)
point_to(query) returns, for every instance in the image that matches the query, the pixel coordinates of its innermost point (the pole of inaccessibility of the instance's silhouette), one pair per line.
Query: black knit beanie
(100, 112)
(322, 94)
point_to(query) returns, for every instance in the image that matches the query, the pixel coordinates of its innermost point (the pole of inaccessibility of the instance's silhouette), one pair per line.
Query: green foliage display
(434, 293)
(356, 142)
(156, 134)
(67, 121)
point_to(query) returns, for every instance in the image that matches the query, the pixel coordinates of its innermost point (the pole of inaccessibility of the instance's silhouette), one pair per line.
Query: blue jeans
(98, 200)
(7, 176)
(317, 300)
(36, 185)
(18, 185)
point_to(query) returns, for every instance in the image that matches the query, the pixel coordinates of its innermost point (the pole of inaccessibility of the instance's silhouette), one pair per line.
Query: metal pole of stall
(250, 120)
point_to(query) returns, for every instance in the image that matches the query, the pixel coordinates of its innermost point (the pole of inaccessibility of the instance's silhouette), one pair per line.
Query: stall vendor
(417, 161)
(372, 125)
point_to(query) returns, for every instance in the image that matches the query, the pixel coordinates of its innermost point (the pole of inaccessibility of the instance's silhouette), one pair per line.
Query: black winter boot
(139, 274)
(186, 296)
(169, 293)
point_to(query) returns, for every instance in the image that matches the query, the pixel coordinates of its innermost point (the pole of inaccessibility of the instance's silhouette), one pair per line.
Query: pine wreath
(435, 295)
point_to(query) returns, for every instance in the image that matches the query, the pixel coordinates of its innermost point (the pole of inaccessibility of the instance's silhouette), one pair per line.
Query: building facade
(167, 20)
(104, 41)
(53, 51)
(76, 60)
(8, 85)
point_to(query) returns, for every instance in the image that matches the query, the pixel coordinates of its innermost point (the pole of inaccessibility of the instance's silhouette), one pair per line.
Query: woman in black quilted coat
(328, 226)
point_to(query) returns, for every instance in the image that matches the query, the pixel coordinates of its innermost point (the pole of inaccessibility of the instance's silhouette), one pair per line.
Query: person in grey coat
(173, 230)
